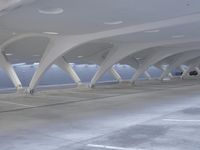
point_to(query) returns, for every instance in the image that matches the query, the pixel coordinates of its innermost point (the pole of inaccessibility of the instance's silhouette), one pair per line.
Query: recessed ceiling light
(8, 54)
(113, 23)
(152, 31)
(80, 56)
(14, 33)
(51, 11)
(36, 55)
(19, 64)
(51, 33)
(36, 63)
(177, 36)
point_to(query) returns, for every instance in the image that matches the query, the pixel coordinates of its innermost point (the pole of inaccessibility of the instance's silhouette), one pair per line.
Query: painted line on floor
(86, 92)
(12, 103)
(111, 147)
(179, 120)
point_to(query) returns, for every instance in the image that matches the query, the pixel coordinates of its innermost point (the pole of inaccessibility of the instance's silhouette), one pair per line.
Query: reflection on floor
(148, 116)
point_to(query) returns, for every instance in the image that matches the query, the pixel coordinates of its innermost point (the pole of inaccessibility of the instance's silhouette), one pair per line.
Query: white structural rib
(115, 55)
(182, 58)
(10, 71)
(158, 56)
(68, 69)
(116, 74)
(193, 65)
(146, 73)
(121, 52)
(197, 69)
(59, 46)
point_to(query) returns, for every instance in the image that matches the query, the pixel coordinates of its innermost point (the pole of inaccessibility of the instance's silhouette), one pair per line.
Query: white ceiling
(90, 16)
(85, 16)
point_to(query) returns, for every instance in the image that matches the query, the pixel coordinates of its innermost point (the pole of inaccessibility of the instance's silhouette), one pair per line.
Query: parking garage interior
(99, 75)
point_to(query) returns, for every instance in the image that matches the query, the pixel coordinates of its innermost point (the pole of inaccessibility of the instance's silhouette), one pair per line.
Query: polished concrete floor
(149, 116)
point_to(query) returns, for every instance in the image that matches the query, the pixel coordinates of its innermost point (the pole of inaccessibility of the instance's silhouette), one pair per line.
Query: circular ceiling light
(8, 54)
(51, 11)
(36, 55)
(152, 31)
(113, 23)
(51, 33)
(177, 36)
(14, 33)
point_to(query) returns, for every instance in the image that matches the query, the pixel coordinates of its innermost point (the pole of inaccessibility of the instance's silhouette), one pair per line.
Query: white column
(68, 69)
(116, 74)
(186, 71)
(10, 71)
(56, 48)
(150, 60)
(179, 60)
(198, 70)
(170, 75)
(147, 75)
(192, 65)
(167, 71)
(183, 69)
(114, 56)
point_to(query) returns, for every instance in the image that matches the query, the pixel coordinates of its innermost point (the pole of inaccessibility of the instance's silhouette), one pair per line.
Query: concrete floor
(149, 116)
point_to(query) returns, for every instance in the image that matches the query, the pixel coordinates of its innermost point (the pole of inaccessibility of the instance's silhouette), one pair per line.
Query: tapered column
(151, 59)
(147, 75)
(179, 60)
(68, 69)
(198, 70)
(192, 64)
(10, 71)
(116, 74)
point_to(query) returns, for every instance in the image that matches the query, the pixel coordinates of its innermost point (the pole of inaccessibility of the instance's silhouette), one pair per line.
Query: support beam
(183, 69)
(186, 72)
(134, 63)
(64, 44)
(136, 66)
(55, 49)
(167, 71)
(170, 75)
(198, 70)
(68, 69)
(179, 60)
(116, 74)
(115, 55)
(131, 61)
(10, 71)
(120, 53)
(147, 75)
(192, 64)
(150, 60)
(160, 55)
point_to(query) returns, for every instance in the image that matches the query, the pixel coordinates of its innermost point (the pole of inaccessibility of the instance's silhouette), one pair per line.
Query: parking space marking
(179, 120)
(111, 147)
(12, 103)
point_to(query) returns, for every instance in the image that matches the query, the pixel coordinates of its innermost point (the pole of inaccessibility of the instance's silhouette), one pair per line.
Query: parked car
(193, 73)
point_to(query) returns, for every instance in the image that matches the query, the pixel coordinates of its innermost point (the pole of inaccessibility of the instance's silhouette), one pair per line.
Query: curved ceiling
(76, 17)
(28, 50)
(81, 17)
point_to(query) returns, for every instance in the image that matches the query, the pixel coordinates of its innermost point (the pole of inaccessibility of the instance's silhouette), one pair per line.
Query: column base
(91, 86)
(29, 91)
(82, 85)
(20, 90)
